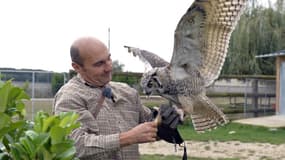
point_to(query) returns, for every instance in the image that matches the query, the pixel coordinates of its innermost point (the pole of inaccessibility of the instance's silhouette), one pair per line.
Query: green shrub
(57, 81)
(45, 138)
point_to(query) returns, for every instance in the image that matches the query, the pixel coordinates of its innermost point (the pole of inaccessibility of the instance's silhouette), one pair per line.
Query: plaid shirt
(98, 137)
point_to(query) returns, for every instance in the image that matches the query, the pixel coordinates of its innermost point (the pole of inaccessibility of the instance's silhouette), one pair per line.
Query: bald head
(83, 47)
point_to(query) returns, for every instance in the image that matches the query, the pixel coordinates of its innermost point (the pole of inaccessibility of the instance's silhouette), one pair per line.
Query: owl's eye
(149, 84)
(157, 82)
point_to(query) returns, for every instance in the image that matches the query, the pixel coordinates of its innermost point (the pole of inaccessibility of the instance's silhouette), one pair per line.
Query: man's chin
(106, 80)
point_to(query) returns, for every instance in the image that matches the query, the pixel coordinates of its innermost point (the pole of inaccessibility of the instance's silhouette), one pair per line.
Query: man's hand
(142, 133)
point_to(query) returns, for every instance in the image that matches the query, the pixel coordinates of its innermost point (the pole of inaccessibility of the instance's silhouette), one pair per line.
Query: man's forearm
(126, 139)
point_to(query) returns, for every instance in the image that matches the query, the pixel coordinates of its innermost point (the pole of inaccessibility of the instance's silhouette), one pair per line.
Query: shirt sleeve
(88, 142)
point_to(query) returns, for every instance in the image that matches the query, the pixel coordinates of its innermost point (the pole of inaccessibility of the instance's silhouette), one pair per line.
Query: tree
(259, 31)
(57, 81)
(117, 67)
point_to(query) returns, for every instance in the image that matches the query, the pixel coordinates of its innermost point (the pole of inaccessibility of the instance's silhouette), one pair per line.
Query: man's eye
(98, 64)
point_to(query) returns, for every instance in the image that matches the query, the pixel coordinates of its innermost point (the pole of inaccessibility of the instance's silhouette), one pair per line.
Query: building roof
(275, 54)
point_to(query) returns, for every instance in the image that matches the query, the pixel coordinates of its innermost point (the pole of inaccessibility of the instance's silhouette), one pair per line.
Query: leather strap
(99, 106)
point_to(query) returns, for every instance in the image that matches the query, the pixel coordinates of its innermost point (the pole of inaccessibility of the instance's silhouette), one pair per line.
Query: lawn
(237, 132)
(229, 132)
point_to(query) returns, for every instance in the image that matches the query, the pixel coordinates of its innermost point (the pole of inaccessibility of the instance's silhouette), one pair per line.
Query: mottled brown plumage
(201, 42)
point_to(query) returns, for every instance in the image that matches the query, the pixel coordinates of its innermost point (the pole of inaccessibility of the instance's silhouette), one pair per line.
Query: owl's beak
(147, 92)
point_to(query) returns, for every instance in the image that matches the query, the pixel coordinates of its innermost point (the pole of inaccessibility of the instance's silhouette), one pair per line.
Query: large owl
(201, 42)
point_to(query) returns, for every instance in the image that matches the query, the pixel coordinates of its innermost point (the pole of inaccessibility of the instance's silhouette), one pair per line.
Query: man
(113, 120)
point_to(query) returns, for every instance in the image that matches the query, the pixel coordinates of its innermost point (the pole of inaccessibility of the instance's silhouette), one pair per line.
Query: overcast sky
(37, 34)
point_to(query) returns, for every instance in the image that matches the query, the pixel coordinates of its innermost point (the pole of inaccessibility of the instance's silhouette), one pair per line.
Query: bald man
(113, 120)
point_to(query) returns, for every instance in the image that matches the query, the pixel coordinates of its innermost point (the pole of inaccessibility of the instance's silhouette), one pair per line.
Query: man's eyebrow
(102, 61)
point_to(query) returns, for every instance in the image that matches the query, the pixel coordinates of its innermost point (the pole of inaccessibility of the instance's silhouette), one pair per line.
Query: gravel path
(214, 149)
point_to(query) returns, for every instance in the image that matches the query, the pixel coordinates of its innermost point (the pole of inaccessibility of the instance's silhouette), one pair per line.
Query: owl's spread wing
(147, 57)
(202, 37)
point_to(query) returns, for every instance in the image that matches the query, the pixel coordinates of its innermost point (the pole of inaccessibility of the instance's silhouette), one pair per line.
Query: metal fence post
(245, 99)
(33, 93)
(255, 96)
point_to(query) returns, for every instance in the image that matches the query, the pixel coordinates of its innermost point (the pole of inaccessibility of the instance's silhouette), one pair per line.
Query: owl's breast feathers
(193, 84)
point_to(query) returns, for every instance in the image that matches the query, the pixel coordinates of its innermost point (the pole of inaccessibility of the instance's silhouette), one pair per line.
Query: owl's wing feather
(147, 57)
(206, 115)
(202, 37)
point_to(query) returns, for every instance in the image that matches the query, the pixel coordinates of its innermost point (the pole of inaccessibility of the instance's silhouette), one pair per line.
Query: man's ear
(76, 67)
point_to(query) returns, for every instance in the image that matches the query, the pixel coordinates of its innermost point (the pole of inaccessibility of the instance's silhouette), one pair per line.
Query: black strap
(185, 152)
(106, 92)
(99, 106)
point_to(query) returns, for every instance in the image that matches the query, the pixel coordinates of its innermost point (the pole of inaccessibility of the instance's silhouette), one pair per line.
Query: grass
(229, 132)
(236, 132)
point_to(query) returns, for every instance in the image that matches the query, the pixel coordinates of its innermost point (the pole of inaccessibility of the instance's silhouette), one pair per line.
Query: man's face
(97, 66)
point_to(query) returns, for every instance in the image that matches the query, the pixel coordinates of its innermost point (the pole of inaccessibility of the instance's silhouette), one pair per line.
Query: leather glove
(169, 116)
(167, 128)
(170, 119)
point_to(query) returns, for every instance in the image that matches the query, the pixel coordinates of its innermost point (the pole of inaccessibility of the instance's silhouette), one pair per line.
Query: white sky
(37, 34)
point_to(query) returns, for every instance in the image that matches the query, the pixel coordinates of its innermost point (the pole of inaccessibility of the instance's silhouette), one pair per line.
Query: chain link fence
(40, 86)
(240, 97)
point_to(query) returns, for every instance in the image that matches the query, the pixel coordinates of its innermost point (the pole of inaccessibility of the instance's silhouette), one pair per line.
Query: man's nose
(108, 66)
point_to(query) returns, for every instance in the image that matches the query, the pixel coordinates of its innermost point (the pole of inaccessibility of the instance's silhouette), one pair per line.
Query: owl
(201, 41)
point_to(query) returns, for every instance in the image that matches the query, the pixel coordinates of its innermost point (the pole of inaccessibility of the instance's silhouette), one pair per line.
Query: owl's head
(153, 81)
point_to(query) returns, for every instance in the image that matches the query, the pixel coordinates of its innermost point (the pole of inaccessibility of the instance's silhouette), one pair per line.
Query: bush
(57, 81)
(44, 138)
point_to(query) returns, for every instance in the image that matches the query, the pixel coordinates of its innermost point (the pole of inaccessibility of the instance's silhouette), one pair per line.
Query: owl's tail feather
(206, 115)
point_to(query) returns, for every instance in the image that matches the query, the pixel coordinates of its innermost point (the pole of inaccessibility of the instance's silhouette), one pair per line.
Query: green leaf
(47, 123)
(4, 95)
(5, 120)
(37, 139)
(17, 94)
(20, 107)
(41, 139)
(32, 134)
(39, 122)
(65, 151)
(29, 147)
(65, 119)
(12, 127)
(18, 152)
(68, 154)
(18, 125)
(57, 134)
(46, 155)
(69, 121)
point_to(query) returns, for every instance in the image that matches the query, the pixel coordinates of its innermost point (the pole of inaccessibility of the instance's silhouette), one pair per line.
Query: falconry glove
(167, 128)
(169, 116)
